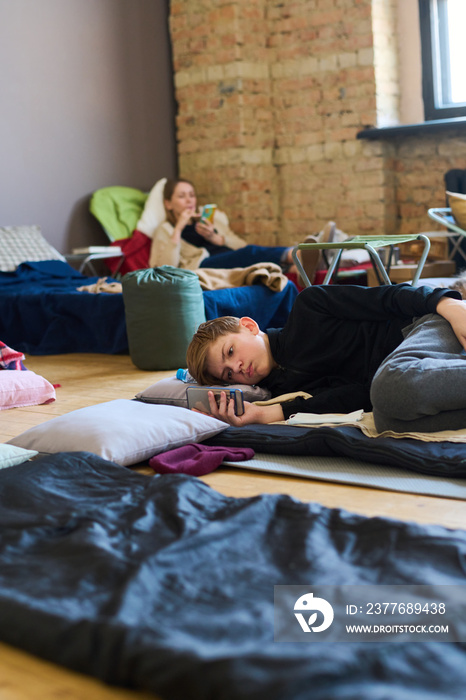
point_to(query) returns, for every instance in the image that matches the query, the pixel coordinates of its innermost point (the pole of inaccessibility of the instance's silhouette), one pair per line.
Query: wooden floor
(89, 379)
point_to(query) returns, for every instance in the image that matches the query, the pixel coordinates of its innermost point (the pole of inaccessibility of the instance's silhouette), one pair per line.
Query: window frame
(435, 81)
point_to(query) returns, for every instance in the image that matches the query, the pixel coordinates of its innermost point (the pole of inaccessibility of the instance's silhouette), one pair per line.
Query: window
(443, 58)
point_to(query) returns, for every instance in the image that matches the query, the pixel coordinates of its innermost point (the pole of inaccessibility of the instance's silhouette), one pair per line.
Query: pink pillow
(23, 388)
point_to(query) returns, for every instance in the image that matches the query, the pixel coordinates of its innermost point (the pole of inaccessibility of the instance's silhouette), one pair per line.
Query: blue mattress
(41, 313)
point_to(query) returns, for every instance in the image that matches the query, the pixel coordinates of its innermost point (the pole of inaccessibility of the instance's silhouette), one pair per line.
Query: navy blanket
(41, 313)
(164, 584)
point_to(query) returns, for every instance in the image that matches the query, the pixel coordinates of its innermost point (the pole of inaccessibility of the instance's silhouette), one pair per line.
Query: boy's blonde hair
(206, 334)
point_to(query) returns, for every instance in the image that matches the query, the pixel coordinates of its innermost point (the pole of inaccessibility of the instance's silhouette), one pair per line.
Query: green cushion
(118, 209)
(163, 308)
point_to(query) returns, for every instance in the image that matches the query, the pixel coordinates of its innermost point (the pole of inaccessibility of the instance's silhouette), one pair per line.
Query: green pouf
(163, 308)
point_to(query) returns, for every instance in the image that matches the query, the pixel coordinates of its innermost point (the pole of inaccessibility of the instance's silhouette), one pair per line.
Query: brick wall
(271, 96)
(420, 164)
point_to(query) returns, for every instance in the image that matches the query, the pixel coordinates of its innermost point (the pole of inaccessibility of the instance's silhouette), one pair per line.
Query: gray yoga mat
(349, 471)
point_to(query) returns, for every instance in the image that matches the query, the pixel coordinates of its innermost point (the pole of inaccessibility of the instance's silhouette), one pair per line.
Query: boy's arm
(260, 414)
(355, 303)
(339, 399)
(343, 399)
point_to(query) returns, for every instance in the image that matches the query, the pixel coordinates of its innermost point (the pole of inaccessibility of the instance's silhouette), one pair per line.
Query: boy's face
(241, 358)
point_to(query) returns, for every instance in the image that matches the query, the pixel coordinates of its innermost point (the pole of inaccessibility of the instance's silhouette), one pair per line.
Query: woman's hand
(225, 411)
(182, 221)
(454, 311)
(206, 230)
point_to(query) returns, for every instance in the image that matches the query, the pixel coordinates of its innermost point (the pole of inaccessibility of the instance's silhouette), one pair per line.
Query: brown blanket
(101, 286)
(269, 274)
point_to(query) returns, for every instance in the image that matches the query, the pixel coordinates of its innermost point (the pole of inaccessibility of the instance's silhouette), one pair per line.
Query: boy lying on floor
(396, 350)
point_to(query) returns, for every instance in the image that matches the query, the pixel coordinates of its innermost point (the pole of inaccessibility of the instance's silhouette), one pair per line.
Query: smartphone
(197, 397)
(207, 212)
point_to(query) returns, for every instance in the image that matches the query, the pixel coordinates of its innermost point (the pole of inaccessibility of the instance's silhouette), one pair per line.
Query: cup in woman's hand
(208, 212)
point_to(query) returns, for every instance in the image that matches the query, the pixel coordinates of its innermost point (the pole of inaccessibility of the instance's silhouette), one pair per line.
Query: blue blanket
(42, 313)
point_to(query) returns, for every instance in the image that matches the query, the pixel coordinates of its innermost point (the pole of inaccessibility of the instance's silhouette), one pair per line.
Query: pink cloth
(10, 359)
(197, 460)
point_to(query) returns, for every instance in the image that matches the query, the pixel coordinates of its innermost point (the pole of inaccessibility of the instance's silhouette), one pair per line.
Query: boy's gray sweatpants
(421, 386)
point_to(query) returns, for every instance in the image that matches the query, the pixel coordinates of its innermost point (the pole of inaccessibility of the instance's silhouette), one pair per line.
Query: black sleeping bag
(162, 583)
(446, 459)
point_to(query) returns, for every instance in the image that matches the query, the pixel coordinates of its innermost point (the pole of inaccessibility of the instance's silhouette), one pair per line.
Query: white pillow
(11, 455)
(154, 211)
(20, 244)
(24, 388)
(172, 391)
(124, 431)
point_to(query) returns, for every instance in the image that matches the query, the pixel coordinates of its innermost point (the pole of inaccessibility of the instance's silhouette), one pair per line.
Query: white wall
(86, 101)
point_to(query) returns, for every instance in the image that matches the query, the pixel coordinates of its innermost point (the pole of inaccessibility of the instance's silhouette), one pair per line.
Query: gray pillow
(172, 391)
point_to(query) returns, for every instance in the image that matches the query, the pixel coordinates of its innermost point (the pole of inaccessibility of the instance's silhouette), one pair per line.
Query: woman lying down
(398, 351)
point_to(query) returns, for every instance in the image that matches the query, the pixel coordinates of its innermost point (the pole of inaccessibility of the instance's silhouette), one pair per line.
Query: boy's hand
(252, 413)
(454, 311)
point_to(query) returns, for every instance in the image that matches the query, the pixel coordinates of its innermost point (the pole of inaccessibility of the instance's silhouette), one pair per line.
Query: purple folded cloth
(197, 460)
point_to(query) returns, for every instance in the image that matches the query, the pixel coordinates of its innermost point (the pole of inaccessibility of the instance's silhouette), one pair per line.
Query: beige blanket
(102, 286)
(269, 274)
(367, 426)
